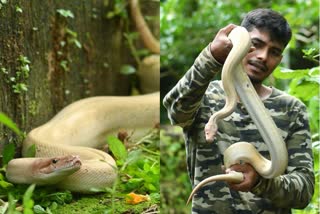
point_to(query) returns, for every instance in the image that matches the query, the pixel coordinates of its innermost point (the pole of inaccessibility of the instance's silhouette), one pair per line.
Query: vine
(18, 81)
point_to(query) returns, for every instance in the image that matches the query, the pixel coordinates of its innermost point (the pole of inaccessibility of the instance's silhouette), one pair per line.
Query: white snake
(235, 81)
(63, 142)
(149, 67)
(63, 156)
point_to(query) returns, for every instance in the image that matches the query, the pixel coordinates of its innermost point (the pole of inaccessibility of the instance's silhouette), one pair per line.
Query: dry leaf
(133, 198)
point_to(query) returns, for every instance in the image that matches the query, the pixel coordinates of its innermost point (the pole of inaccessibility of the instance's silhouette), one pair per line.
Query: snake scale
(65, 145)
(235, 82)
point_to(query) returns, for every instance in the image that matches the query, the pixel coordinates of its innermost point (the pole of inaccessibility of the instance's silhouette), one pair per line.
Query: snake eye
(54, 161)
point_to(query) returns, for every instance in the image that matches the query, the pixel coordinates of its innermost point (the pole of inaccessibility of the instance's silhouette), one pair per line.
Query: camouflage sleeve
(183, 101)
(295, 188)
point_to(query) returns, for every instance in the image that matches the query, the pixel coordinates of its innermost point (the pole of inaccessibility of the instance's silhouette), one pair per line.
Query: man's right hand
(221, 45)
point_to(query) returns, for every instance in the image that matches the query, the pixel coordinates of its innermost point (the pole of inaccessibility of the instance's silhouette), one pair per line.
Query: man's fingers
(221, 44)
(224, 32)
(228, 28)
(243, 187)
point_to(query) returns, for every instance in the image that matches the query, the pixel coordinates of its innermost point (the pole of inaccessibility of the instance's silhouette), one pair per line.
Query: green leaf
(110, 15)
(64, 65)
(146, 167)
(134, 183)
(20, 87)
(127, 70)
(315, 71)
(24, 60)
(117, 148)
(65, 13)
(39, 210)
(28, 202)
(133, 156)
(3, 184)
(316, 145)
(28, 194)
(304, 89)
(4, 119)
(77, 43)
(18, 9)
(285, 73)
(8, 152)
(150, 187)
(12, 203)
(31, 151)
(313, 111)
(71, 33)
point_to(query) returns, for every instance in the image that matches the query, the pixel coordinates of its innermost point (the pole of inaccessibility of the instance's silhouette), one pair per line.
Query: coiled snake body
(235, 81)
(63, 156)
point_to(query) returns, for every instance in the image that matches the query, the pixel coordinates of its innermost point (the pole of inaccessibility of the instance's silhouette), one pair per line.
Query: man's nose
(262, 54)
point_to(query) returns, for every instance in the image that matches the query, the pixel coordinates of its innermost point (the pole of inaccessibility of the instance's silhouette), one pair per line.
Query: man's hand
(221, 45)
(251, 177)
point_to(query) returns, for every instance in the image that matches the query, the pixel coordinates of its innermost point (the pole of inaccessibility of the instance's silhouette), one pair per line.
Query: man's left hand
(251, 177)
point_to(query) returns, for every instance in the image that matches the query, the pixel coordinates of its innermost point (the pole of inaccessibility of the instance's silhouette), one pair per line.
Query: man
(196, 97)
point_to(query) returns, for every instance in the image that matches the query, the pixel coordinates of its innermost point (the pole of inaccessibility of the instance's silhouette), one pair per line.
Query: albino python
(149, 68)
(63, 156)
(236, 82)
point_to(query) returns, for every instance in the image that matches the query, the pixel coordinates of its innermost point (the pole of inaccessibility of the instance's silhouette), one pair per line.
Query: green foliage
(127, 69)
(12, 205)
(144, 177)
(67, 38)
(304, 83)
(139, 171)
(140, 167)
(175, 183)
(119, 9)
(19, 9)
(4, 185)
(312, 54)
(2, 3)
(72, 38)
(28, 201)
(120, 13)
(18, 81)
(188, 26)
(117, 148)
(303, 18)
(4, 119)
(31, 151)
(65, 13)
(9, 149)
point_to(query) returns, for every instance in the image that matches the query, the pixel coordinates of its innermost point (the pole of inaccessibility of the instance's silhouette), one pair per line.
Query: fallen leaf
(133, 198)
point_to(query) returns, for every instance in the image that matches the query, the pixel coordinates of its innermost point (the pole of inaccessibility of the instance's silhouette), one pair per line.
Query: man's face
(264, 58)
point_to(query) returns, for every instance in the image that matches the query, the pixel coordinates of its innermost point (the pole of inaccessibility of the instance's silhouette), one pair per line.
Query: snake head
(55, 169)
(210, 131)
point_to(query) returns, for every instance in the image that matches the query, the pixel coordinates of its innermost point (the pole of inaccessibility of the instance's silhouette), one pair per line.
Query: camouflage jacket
(190, 104)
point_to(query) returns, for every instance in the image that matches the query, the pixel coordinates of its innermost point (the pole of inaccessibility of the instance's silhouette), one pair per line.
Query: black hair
(270, 21)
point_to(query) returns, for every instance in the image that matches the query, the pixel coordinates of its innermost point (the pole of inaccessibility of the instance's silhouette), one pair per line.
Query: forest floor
(137, 189)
